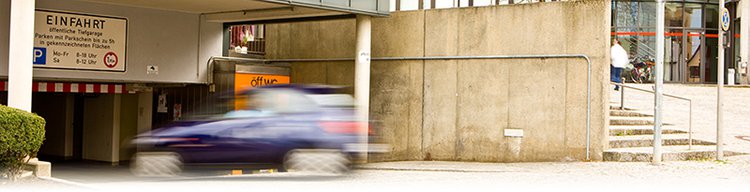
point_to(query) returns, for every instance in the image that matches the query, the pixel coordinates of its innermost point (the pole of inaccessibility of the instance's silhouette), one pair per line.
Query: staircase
(631, 140)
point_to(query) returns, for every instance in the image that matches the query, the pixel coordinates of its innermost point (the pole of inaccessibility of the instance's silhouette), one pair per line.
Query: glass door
(708, 68)
(690, 69)
(673, 55)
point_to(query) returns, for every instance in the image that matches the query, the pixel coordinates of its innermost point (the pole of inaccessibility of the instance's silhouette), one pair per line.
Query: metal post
(20, 54)
(690, 127)
(622, 98)
(720, 85)
(362, 78)
(658, 92)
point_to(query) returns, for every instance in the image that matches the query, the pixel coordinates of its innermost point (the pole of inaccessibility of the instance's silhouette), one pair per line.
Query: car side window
(287, 101)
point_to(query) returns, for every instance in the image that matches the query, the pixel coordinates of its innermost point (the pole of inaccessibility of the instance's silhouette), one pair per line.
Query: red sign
(110, 59)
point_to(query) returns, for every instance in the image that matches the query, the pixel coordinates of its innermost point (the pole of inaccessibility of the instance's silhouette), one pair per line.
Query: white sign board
(513, 132)
(79, 41)
(152, 70)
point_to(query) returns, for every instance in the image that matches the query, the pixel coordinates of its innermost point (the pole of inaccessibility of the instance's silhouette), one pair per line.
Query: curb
(433, 170)
(63, 181)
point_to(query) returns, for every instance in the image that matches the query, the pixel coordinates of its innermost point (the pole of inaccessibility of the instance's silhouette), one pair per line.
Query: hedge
(21, 135)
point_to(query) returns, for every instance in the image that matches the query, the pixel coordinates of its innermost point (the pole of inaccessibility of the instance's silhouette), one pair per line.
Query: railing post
(622, 97)
(690, 127)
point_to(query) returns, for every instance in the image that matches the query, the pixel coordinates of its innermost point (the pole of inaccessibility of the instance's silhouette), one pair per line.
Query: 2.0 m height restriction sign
(110, 60)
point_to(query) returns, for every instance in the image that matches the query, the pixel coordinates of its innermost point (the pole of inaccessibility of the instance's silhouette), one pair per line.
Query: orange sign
(243, 81)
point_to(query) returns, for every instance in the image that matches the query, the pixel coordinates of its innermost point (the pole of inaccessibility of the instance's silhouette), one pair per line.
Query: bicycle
(641, 70)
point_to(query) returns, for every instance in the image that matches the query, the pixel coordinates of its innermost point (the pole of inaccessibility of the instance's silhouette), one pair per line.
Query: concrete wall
(179, 43)
(128, 124)
(100, 128)
(458, 109)
(53, 107)
(297, 41)
(145, 109)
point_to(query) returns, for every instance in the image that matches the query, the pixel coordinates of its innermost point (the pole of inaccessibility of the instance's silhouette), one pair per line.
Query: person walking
(619, 58)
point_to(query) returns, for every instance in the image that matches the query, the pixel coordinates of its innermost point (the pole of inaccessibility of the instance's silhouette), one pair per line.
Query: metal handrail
(690, 102)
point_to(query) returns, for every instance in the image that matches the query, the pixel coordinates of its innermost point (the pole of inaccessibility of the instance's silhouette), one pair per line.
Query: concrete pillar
(69, 118)
(743, 11)
(115, 150)
(362, 75)
(20, 54)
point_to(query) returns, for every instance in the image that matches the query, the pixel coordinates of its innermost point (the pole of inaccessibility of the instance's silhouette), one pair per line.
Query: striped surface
(72, 87)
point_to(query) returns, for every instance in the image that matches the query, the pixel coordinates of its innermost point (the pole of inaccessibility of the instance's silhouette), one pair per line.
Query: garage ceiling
(194, 6)
(245, 10)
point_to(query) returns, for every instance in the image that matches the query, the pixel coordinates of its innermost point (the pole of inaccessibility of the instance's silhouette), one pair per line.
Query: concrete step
(617, 120)
(648, 140)
(627, 113)
(669, 153)
(617, 107)
(622, 130)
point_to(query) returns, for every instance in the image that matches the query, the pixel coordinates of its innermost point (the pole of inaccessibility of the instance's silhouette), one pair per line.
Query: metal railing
(690, 102)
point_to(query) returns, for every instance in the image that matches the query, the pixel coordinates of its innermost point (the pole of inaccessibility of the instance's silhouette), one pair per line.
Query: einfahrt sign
(79, 41)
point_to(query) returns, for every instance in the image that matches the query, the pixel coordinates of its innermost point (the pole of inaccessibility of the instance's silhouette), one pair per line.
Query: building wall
(458, 109)
(179, 43)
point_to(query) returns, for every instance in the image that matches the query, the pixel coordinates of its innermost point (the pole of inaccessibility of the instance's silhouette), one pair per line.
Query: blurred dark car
(285, 127)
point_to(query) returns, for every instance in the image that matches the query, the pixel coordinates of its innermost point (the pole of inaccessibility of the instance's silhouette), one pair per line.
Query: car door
(250, 144)
(222, 147)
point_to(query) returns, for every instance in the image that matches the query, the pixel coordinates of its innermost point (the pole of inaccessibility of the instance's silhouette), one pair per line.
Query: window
(247, 39)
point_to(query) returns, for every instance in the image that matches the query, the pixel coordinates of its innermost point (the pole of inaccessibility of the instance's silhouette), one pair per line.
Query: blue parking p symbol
(40, 55)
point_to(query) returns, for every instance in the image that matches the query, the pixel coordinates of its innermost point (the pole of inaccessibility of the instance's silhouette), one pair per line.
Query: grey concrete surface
(736, 111)
(459, 109)
(150, 41)
(455, 176)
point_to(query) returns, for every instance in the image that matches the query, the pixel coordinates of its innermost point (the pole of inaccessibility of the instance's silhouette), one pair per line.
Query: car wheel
(317, 161)
(156, 164)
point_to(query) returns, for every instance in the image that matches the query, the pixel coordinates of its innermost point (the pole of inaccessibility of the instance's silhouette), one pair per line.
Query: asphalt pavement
(732, 175)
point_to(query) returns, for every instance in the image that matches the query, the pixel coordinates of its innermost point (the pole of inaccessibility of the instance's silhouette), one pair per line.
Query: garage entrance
(85, 121)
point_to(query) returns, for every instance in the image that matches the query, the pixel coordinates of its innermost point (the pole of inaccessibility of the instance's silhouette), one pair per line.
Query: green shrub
(21, 135)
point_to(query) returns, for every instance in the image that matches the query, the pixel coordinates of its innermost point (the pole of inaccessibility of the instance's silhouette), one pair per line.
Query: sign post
(724, 17)
(658, 92)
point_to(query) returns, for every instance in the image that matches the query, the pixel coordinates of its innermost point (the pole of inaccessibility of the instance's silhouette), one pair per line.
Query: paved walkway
(736, 111)
(438, 176)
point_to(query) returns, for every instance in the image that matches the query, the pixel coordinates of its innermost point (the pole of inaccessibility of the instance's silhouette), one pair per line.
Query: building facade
(102, 71)
(691, 39)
